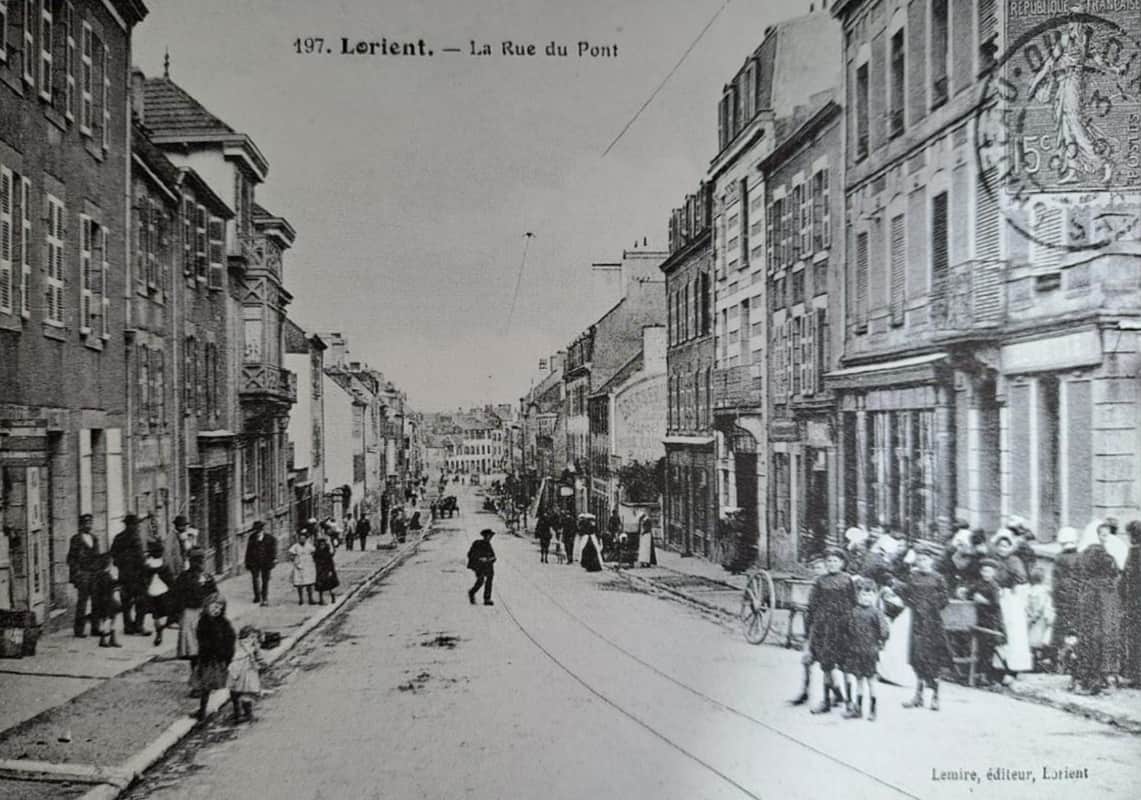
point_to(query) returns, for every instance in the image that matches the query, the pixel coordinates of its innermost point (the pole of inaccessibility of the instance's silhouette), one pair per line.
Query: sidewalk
(74, 708)
(713, 590)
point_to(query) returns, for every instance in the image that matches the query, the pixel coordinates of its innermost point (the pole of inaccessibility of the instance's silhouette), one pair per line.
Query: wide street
(575, 686)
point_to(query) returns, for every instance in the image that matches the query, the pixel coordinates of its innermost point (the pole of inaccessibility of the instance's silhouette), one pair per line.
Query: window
(29, 41)
(217, 234)
(53, 257)
(187, 235)
(897, 269)
(45, 60)
(144, 385)
(862, 110)
(987, 16)
(105, 101)
(743, 216)
(798, 287)
(104, 283)
(808, 370)
(160, 389)
(795, 351)
(861, 293)
(706, 317)
(86, 81)
(939, 243)
(938, 50)
(86, 277)
(69, 61)
(200, 244)
(804, 227)
(190, 362)
(7, 198)
(23, 243)
(4, 31)
(895, 118)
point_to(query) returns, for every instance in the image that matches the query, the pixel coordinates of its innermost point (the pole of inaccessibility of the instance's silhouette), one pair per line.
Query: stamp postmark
(1058, 124)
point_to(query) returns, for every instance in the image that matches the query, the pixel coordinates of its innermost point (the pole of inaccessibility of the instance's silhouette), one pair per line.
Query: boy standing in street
(481, 561)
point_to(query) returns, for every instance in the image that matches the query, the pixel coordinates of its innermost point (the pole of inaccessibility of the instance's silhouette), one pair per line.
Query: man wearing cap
(481, 561)
(187, 536)
(261, 556)
(82, 565)
(129, 557)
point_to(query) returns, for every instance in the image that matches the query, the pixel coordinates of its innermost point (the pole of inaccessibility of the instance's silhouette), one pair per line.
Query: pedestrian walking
(364, 528)
(591, 558)
(925, 594)
(106, 601)
(83, 564)
(304, 569)
(191, 589)
(543, 533)
(414, 524)
(808, 658)
(350, 532)
(261, 556)
(1129, 590)
(187, 536)
(215, 651)
(159, 580)
(481, 561)
(245, 674)
(128, 555)
(1099, 614)
(325, 571)
(830, 602)
(398, 525)
(868, 632)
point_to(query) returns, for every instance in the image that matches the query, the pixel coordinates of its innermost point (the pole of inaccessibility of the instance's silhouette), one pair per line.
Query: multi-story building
(690, 513)
(305, 358)
(627, 421)
(65, 155)
(795, 60)
(802, 260)
(990, 340)
(544, 438)
(479, 441)
(251, 250)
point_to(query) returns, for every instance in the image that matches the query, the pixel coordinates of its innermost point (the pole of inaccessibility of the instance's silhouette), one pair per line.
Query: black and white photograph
(496, 399)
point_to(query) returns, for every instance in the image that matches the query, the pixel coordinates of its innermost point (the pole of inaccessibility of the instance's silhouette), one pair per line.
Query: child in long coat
(830, 603)
(215, 651)
(925, 593)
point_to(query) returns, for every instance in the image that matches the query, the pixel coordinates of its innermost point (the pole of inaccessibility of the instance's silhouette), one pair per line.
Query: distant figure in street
(83, 564)
(398, 525)
(105, 601)
(925, 593)
(613, 531)
(481, 561)
(215, 651)
(364, 528)
(191, 589)
(1066, 591)
(986, 595)
(245, 674)
(808, 658)
(326, 578)
(1099, 614)
(261, 556)
(127, 553)
(543, 533)
(304, 569)
(646, 555)
(830, 602)
(187, 536)
(414, 524)
(350, 532)
(159, 580)
(568, 528)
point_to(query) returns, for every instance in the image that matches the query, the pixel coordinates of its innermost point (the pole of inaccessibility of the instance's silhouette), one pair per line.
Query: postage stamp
(1058, 124)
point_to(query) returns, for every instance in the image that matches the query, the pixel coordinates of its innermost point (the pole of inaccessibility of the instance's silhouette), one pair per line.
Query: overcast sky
(411, 181)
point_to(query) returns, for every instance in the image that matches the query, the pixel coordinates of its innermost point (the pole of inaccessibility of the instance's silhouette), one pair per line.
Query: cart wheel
(757, 605)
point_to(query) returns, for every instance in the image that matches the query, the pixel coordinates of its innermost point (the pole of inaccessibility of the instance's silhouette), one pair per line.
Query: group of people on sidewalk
(580, 537)
(876, 609)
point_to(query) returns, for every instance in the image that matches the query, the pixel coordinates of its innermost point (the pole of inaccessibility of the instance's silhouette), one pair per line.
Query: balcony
(969, 300)
(267, 382)
(734, 387)
(260, 253)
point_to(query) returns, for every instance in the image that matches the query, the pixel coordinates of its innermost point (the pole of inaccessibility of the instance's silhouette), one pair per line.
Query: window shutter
(862, 279)
(4, 23)
(898, 267)
(939, 254)
(105, 285)
(46, 23)
(809, 357)
(85, 277)
(187, 235)
(144, 385)
(805, 226)
(826, 210)
(105, 65)
(6, 207)
(201, 245)
(138, 235)
(29, 28)
(152, 243)
(24, 241)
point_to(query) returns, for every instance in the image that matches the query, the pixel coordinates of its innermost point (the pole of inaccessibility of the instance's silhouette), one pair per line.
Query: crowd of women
(579, 537)
(1078, 613)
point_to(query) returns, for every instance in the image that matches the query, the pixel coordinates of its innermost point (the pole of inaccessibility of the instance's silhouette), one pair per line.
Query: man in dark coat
(364, 528)
(82, 566)
(481, 561)
(830, 604)
(129, 557)
(261, 556)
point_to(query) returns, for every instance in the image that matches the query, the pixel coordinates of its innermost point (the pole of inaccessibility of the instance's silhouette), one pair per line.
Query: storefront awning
(691, 441)
(915, 369)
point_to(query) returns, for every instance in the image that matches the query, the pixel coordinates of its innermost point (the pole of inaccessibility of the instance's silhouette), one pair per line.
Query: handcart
(764, 595)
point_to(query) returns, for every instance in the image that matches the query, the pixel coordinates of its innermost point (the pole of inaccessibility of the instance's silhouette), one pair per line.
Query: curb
(123, 776)
(723, 615)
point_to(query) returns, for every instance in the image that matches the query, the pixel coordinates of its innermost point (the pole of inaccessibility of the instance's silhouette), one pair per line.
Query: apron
(1016, 651)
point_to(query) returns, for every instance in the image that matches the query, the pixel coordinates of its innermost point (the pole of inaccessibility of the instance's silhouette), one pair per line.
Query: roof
(612, 382)
(204, 193)
(153, 159)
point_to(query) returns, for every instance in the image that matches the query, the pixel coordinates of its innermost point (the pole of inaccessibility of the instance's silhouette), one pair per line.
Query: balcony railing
(260, 253)
(734, 387)
(266, 381)
(969, 298)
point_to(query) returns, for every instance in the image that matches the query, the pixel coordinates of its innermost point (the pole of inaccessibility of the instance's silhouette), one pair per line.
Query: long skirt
(188, 633)
(579, 543)
(646, 553)
(894, 664)
(589, 558)
(1016, 651)
(209, 675)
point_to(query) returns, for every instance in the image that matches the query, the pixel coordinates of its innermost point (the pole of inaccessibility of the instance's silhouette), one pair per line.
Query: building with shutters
(795, 60)
(305, 357)
(802, 262)
(65, 154)
(990, 350)
(689, 512)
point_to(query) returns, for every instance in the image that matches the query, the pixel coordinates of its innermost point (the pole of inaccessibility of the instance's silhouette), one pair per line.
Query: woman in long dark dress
(327, 580)
(1130, 591)
(1066, 589)
(590, 557)
(1099, 616)
(925, 593)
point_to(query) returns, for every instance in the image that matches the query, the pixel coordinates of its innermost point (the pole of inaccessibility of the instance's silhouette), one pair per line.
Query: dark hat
(258, 525)
(130, 519)
(487, 533)
(836, 551)
(989, 562)
(180, 520)
(196, 554)
(86, 515)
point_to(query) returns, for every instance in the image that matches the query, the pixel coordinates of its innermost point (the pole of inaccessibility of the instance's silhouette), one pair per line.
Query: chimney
(138, 109)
